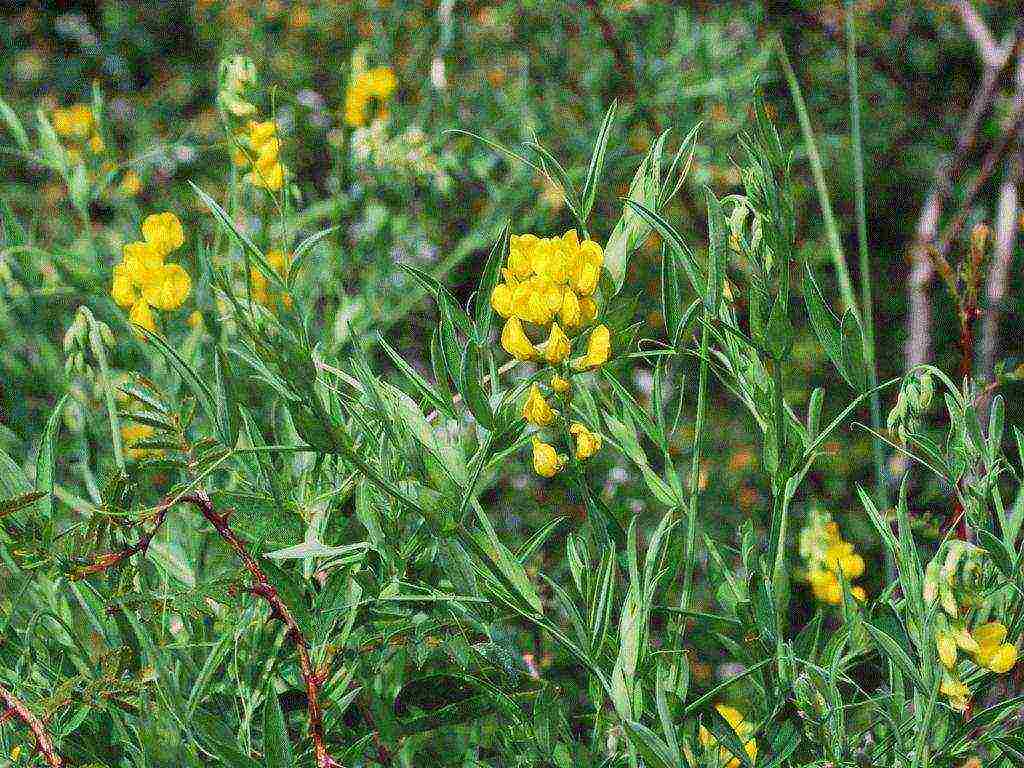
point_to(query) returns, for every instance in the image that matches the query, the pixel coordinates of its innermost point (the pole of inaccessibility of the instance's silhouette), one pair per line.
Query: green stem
(692, 506)
(96, 342)
(780, 506)
(867, 304)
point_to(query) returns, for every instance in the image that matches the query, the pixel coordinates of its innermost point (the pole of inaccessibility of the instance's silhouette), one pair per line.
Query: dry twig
(15, 707)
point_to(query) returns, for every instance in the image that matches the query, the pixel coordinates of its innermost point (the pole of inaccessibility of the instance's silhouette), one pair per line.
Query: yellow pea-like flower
(263, 136)
(598, 348)
(546, 461)
(743, 729)
(514, 341)
(122, 289)
(946, 645)
(588, 310)
(954, 689)
(852, 565)
(586, 283)
(163, 231)
(172, 290)
(143, 262)
(858, 592)
(826, 587)
(501, 299)
(142, 315)
(587, 442)
(558, 347)
(536, 409)
(592, 253)
(1003, 659)
(570, 313)
(560, 385)
(381, 82)
(993, 653)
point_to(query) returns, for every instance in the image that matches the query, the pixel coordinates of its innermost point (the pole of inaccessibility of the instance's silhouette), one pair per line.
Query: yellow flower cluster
(261, 292)
(744, 729)
(77, 124)
(376, 83)
(827, 556)
(260, 150)
(987, 646)
(550, 282)
(142, 280)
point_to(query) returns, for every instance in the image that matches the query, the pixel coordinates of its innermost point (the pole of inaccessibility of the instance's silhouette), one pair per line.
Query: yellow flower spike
(536, 409)
(163, 232)
(514, 341)
(558, 347)
(142, 315)
(501, 299)
(560, 385)
(946, 645)
(546, 461)
(122, 289)
(598, 349)
(743, 729)
(587, 443)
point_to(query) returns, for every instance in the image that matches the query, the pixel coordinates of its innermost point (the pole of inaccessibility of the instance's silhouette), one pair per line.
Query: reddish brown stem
(261, 587)
(15, 707)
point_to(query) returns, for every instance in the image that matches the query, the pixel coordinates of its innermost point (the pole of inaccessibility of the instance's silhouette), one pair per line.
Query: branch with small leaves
(261, 587)
(15, 707)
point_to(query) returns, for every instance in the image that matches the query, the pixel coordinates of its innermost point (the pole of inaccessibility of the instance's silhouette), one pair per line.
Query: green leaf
(472, 387)
(824, 322)
(49, 144)
(596, 163)
(999, 552)
(853, 351)
(671, 295)
(199, 387)
(45, 461)
(892, 650)
(14, 125)
(718, 254)
(423, 389)
(655, 752)
(488, 280)
(276, 747)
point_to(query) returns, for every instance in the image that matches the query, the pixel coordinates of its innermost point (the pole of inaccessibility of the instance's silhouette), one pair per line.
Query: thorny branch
(918, 348)
(15, 707)
(261, 587)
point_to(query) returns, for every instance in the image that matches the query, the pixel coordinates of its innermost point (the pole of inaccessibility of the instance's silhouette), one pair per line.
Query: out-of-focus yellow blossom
(74, 122)
(598, 349)
(545, 279)
(954, 690)
(560, 385)
(993, 653)
(828, 557)
(264, 148)
(142, 280)
(514, 341)
(377, 83)
(536, 409)
(261, 292)
(546, 461)
(744, 730)
(558, 347)
(133, 433)
(131, 184)
(587, 442)
(15, 753)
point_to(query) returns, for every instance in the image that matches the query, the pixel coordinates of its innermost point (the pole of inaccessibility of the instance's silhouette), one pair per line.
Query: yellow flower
(377, 83)
(560, 385)
(946, 644)
(75, 121)
(15, 753)
(546, 461)
(172, 290)
(131, 184)
(598, 349)
(993, 653)
(501, 299)
(536, 409)
(380, 82)
(142, 315)
(96, 143)
(122, 290)
(954, 689)
(587, 442)
(743, 729)
(826, 586)
(570, 311)
(514, 341)
(588, 310)
(163, 232)
(132, 433)
(558, 346)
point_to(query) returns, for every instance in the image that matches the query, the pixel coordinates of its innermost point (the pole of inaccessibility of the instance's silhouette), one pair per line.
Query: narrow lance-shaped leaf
(596, 163)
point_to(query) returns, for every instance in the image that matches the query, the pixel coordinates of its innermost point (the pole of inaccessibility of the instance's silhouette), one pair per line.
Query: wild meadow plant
(293, 559)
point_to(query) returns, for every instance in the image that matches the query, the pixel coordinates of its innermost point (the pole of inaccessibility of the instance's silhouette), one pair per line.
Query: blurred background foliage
(413, 192)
